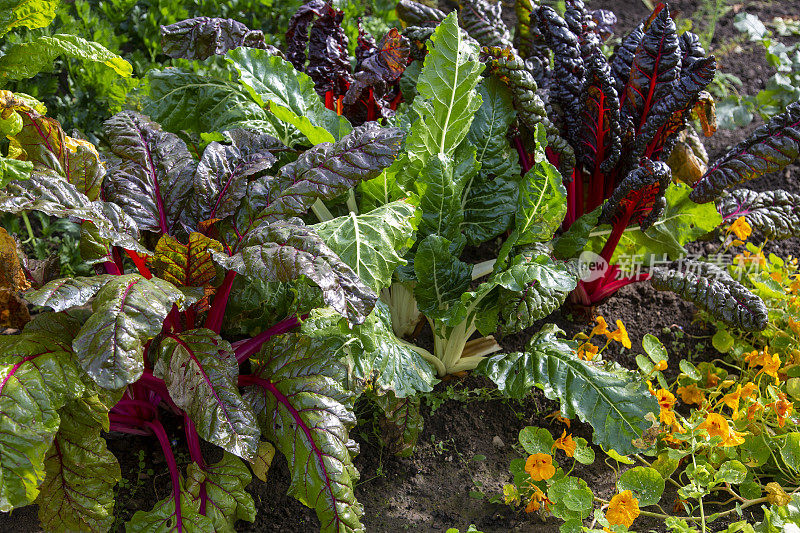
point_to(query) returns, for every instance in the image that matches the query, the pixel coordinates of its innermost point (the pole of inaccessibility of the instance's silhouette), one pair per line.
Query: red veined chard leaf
(186, 265)
(38, 375)
(770, 148)
(713, 290)
(303, 409)
(640, 196)
(203, 37)
(600, 138)
(776, 214)
(656, 66)
(282, 251)
(151, 174)
(226, 499)
(416, 14)
(580, 22)
(622, 60)
(163, 518)
(483, 20)
(61, 294)
(201, 372)
(691, 49)
(78, 492)
(127, 312)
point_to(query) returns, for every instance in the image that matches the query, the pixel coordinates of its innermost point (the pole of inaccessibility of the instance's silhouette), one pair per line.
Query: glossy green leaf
(614, 404)
(542, 203)
(572, 242)
(13, 169)
(127, 312)
(25, 60)
(790, 451)
(489, 130)
(441, 277)
(644, 482)
(78, 492)
(61, 294)
(39, 377)
(654, 348)
(287, 93)
(372, 244)
(304, 410)
(163, 518)
(201, 374)
(224, 483)
(731, 472)
(536, 440)
(31, 14)
(572, 498)
(489, 210)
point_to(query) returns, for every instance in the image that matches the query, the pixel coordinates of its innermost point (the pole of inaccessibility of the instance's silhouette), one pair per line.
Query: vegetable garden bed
(280, 258)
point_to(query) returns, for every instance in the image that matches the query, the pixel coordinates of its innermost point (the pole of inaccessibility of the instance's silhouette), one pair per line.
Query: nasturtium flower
(540, 466)
(741, 228)
(748, 389)
(587, 351)
(623, 509)
(650, 387)
(783, 409)
(601, 328)
(556, 415)
(665, 398)
(565, 442)
(794, 326)
(620, 335)
(732, 400)
(716, 426)
(691, 394)
(661, 365)
(536, 500)
(771, 365)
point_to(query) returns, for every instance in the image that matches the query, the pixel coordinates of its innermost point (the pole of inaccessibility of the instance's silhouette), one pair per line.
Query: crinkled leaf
(226, 499)
(374, 354)
(401, 423)
(441, 276)
(186, 265)
(776, 214)
(639, 197)
(713, 290)
(202, 37)
(532, 288)
(128, 311)
(61, 294)
(38, 375)
(163, 518)
(78, 492)
(622, 60)
(488, 132)
(417, 14)
(151, 174)
(26, 59)
(283, 252)
(201, 372)
(447, 100)
(489, 210)
(372, 244)
(483, 21)
(304, 410)
(769, 148)
(288, 94)
(13, 169)
(614, 404)
(328, 170)
(600, 134)
(255, 305)
(31, 14)
(542, 202)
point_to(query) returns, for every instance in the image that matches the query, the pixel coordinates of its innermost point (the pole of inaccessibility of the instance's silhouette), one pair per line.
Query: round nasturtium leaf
(644, 482)
(654, 348)
(790, 452)
(722, 341)
(536, 440)
(731, 472)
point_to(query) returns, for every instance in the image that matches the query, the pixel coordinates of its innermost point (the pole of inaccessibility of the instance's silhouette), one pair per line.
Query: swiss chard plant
(170, 231)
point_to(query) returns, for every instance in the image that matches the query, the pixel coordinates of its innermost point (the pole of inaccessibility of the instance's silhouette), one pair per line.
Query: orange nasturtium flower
(587, 351)
(565, 442)
(716, 426)
(601, 328)
(540, 466)
(665, 398)
(536, 500)
(691, 394)
(741, 228)
(782, 408)
(623, 509)
(661, 365)
(650, 387)
(556, 415)
(732, 400)
(621, 335)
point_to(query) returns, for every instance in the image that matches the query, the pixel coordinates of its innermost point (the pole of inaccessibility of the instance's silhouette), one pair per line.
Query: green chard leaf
(13, 169)
(441, 276)
(489, 129)
(401, 423)
(201, 373)
(128, 311)
(227, 499)
(39, 377)
(61, 294)
(31, 14)
(614, 404)
(776, 214)
(78, 492)
(372, 244)
(306, 413)
(25, 60)
(288, 94)
(163, 518)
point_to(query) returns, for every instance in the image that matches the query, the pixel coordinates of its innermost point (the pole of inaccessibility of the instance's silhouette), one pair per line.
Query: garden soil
(471, 436)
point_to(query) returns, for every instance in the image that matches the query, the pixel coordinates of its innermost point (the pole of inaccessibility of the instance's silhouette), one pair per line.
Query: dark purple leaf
(600, 146)
(483, 21)
(605, 21)
(639, 198)
(203, 37)
(622, 60)
(691, 49)
(416, 14)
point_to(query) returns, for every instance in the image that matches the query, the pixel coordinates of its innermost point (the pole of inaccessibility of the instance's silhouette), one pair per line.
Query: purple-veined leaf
(61, 294)
(163, 518)
(656, 66)
(776, 214)
(639, 197)
(282, 251)
(328, 170)
(713, 290)
(150, 177)
(226, 499)
(201, 372)
(328, 58)
(769, 148)
(303, 409)
(38, 375)
(127, 312)
(203, 37)
(401, 423)
(78, 492)
(186, 265)
(600, 140)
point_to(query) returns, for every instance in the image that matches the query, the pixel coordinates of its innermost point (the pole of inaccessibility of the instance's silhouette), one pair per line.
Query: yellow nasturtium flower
(623, 509)
(565, 442)
(540, 466)
(620, 335)
(716, 426)
(691, 394)
(741, 228)
(601, 328)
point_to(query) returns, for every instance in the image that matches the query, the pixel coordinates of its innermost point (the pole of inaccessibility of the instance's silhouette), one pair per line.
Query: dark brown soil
(432, 490)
